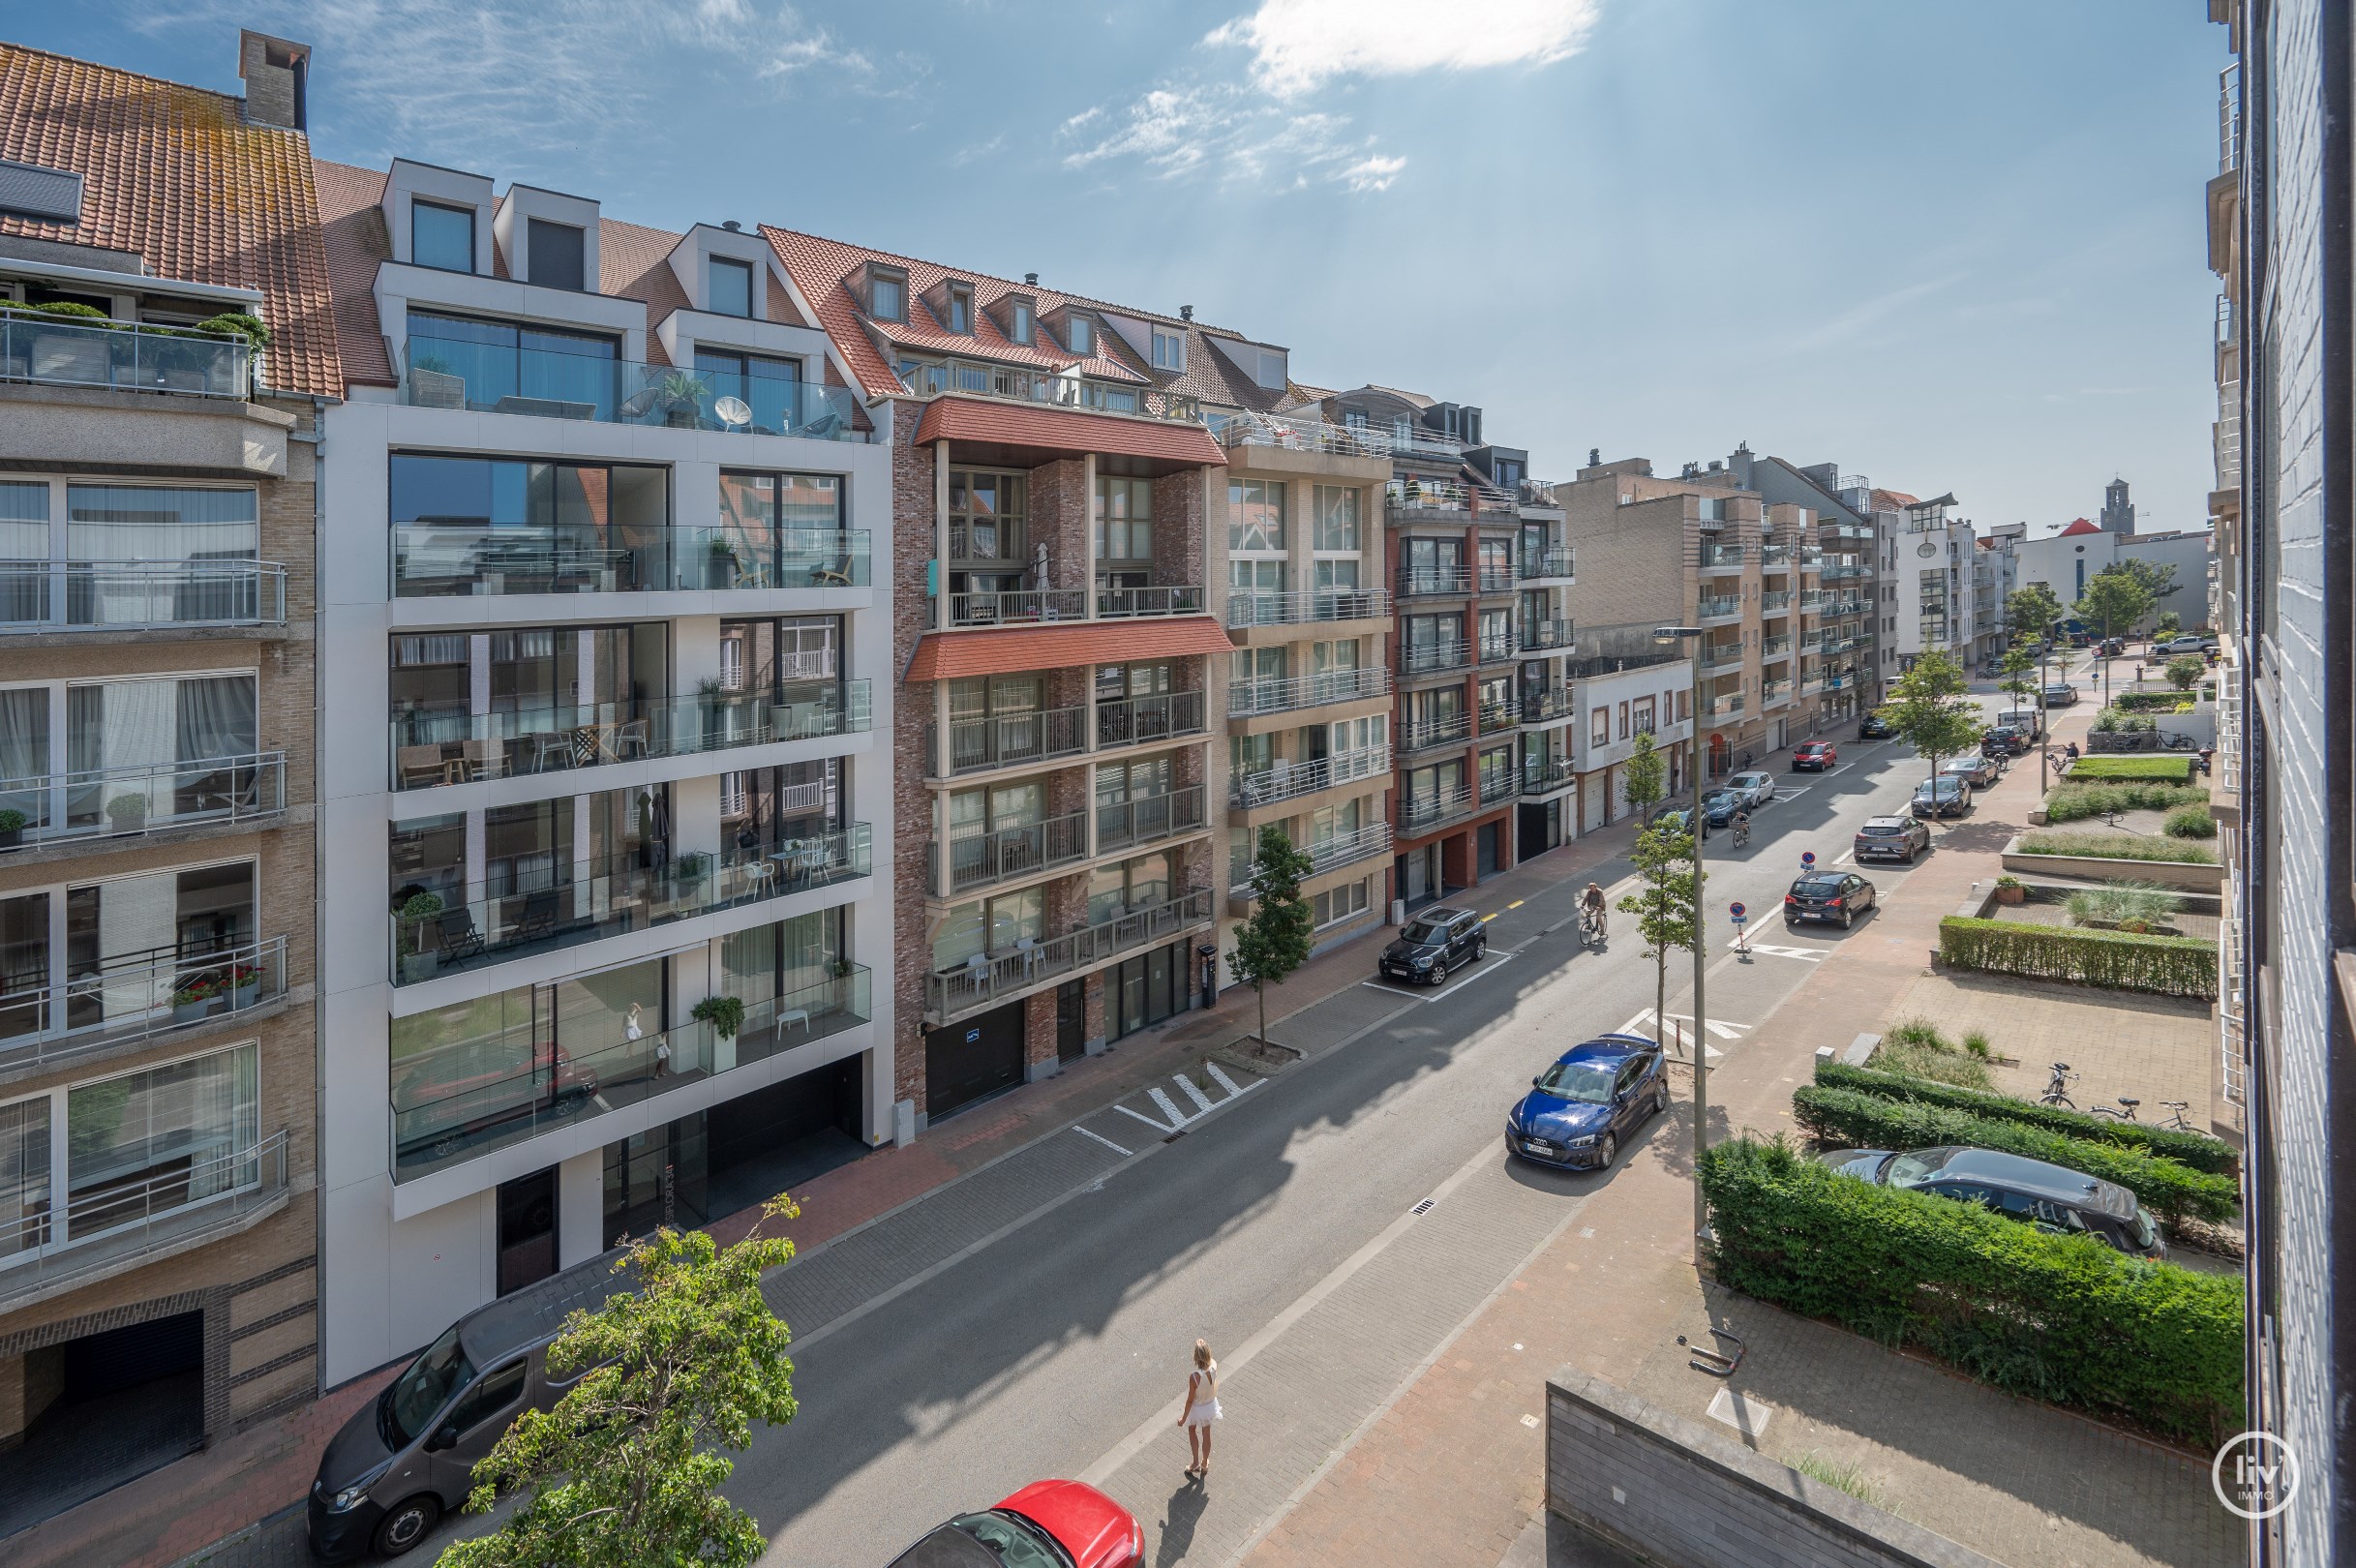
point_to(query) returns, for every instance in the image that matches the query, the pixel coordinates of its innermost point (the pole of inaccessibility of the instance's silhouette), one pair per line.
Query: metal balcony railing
(448, 744)
(1139, 720)
(1405, 498)
(1288, 780)
(1019, 607)
(1775, 603)
(1324, 855)
(1425, 735)
(1717, 557)
(1775, 647)
(977, 860)
(132, 996)
(1432, 658)
(122, 801)
(1546, 563)
(1014, 383)
(42, 596)
(1430, 582)
(1121, 825)
(1422, 814)
(1773, 693)
(986, 978)
(1499, 784)
(1538, 636)
(1502, 649)
(123, 356)
(1007, 740)
(1540, 775)
(1722, 657)
(1284, 694)
(2229, 119)
(1720, 707)
(1709, 608)
(1496, 578)
(1294, 434)
(1253, 609)
(1498, 716)
(1541, 705)
(1129, 603)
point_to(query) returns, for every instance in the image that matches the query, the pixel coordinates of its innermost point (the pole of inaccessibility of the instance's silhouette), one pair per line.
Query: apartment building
(608, 691)
(1850, 621)
(1946, 591)
(157, 1064)
(1616, 699)
(1699, 550)
(2065, 560)
(1058, 828)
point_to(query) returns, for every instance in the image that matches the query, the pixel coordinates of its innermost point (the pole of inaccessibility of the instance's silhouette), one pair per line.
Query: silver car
(1756, 788)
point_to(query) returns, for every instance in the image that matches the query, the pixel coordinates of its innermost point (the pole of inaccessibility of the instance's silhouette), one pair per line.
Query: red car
(1815, 757)
(1046, 1525)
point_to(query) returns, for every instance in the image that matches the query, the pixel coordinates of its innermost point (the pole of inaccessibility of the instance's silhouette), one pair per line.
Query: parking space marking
(1811, 954)
(1482, 967)
(1218, 1076)
(1167, 1106)
(1203, 1102)
(1149, 1121)
(1101, 1138)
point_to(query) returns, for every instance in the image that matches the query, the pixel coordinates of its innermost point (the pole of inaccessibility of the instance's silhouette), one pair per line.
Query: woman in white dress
(1201, 1408)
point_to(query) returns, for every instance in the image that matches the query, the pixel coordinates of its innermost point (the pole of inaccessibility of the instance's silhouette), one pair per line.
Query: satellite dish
(732, 411)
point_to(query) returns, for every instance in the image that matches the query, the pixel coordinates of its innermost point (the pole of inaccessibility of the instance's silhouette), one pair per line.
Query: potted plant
(194, 998)
(72, 353)
(691, 869)
(12, 828)
(240, 324)
(725, 1014)
(724, 564)
(681, 397)
(2010, 890)
(128, 813)
(245, 988)
(417, 960)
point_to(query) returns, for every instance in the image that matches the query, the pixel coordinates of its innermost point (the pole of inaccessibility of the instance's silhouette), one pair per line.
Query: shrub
(2074, 802)
(2186, 670)
(2063, 1319)
(2168, 966)
(2116, 903)
(725, 1014)
(2113, 766)
(2116, 847)
(2190, 821)
(1916, 1047)
(2154, 701)
(1843, 1117)
(12, 821)
(2192, 1149)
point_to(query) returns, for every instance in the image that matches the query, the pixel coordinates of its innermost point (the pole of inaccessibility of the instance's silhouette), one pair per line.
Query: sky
(1951, 245)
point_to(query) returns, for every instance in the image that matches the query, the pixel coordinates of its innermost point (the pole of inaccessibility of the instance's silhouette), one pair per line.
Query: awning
(1065, 429)
(1005, 649)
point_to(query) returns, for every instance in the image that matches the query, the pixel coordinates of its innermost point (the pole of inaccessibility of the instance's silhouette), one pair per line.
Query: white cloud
(1373, 173)
(1225, 132)
(1299, 45)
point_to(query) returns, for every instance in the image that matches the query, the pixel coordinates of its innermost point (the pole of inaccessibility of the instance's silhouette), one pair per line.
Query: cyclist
(1591, 909)
(1742, 825)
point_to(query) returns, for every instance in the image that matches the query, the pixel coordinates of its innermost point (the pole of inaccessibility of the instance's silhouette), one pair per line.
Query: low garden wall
(2188, 875)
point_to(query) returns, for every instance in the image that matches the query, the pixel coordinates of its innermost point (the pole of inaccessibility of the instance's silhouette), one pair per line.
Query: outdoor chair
(539, 915)
(460, 940)
(419, 766)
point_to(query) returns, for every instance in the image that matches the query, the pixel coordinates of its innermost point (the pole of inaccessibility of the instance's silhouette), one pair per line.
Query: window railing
(62, 351)
(1837, 569)
(983, 860)
(1008, 741)
(1426, 734)
(1772, 693)
(1427, 658)
(1541, 704)
(1424, 581)
(1294, 433)
(987, 978)
(1149, 819)
(124, 801)
(733, 558)
(101, 1231)
(1016, 608)
(1283, 694)
(533, 911)
(1539, 492)
(1497, 578)
(1138, 720)
(1125, 603)
(1407, 496)
(1495, 716)
(1539, 564)
(1775, 647)
(1540, 774)
(1776, 555)
(1500, 648)
(1285, 780)
(134, 996)
(1499, 784)
(448, 744)
(1421, 814)
(1538, 636)
(446, 373)
(1017, 383)
(132, 595)
(1720, 707)
(1324, 855)
(1721, 656)
(466, 1100)
(1257, 609)
(1709, 609)
(1775, 603)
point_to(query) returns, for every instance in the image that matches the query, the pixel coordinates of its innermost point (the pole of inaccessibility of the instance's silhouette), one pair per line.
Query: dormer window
(887, 296)
(441, 237)
(1080, 334)
(1018, 320)
(729, 284)
(1169, 351)
(960, 317)
(556, 255)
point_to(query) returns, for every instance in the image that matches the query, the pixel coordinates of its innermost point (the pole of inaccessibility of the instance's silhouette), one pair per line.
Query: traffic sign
(1807, 857)
(1738, 911)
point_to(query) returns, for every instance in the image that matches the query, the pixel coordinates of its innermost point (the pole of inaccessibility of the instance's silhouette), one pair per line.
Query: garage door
(967, 1060)
(1594, 796)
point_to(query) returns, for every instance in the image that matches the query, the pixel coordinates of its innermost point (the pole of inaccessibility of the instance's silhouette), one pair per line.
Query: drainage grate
(1425, 1207)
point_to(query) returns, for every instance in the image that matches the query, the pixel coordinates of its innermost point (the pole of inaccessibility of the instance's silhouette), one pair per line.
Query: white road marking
(1844, 857)
(1474, 972)
(1101, 1138)
(1203, 1102)
(1218, 1076)
(1812, 954)
(1785, 795)
(1167, 1106)
(1147, 1120)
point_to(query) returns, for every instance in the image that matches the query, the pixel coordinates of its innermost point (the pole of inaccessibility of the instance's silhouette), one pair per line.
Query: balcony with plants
(55, 1013)
(508, 376)
(130, 800)
(64, 344)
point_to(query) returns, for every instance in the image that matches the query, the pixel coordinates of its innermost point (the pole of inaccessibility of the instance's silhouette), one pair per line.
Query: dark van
(401, 1463)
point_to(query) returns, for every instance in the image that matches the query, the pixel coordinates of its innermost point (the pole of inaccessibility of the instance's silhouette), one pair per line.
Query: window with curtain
(24, 1175)
(24, 520)
(159, 523)
(1337, 522)
(25, 753)
(160, 1139)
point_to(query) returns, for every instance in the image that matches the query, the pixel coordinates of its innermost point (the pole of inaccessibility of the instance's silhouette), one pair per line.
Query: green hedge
(2106, 767)
(2063, 1319)
(1847, 1118)
(2154, 701)
(2119, 960)
(2200, 1153)
(2078, 802)
(2192, 819)
(2116, 847)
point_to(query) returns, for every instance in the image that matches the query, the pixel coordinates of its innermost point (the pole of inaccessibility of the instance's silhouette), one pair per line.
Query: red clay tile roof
(2081, 526)
(175, 175)
(351, 222)
(634, 262)
(1005, 649)
(1889, 500)
(969, 419)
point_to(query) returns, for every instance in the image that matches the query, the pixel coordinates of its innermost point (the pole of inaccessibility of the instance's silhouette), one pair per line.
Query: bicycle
(2057, 1092)
(1743, 835)
(2176, 1119)
(1592, 926)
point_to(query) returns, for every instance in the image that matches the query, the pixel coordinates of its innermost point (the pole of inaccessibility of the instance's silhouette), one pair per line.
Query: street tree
(2167, 625)
(1644, 775)
(626, 1469)
(2116, 598)
(1929, 710)
(1663, 904)
(2032, 609)
(2017, 665)
(1275, 939)
(2184, 670)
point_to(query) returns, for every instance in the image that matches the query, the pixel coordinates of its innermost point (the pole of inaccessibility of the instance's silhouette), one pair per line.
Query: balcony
(480, 377)
(1560, 566)
(1837, 570)
(1426, 501)
(1722, 707)
(1435, 658)
(528, 913)
(465, 559)
(979, 860)
(1125, 824)
(1544, 705)
(55, 350)
(1717, 557)
(1130, 603)
(1136, 721)
(1494, 580)
(1453, 730)
(1434, 582)
(1543, 775)
(1708, 610)
(1539, 636)
(132, 997)
(1018, 383)
(1324, 855)
(1539, 492)
(94, 1233)
(1838, 682)
(450, 1106)
(1774, 693)
(1724, 656)
(1426, 813)
(1026, 607)
(110, 595)
(1289, 780)
(1292, 433)
(1245, 608)
(1500, 716)
(1775, 647)
(1502, 784)
(1500, 648)
(987, 979)
(1776, 557)
(1246, 698)
(1007, 740)
(120, 802)
(1776, 603)
(450, 744)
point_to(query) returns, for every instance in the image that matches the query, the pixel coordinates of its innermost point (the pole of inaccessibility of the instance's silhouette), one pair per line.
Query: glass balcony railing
(463, 1101)
(1723, 657)
(1721, 558)
(135, 996)
(1250, 609)
(535, 912)
(446, 373)
(1121, 825)
(65, 351)
(986, 978)
(977, 860)
(136, 596)
(1018, 383)
(1540, 775)
(1285, 781)
(1718, 608)
(461, 559)
(1542, 564)
(450, 744)
(1775, 603)
(125, 801)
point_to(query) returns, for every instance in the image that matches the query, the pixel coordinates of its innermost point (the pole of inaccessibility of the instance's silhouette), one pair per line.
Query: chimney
(1186, 312)
(1030, 280)
(276, 72)
(732, 226)
(1595, 457)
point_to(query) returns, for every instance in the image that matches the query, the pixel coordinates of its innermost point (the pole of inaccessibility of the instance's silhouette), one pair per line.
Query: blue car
(1579, 1110)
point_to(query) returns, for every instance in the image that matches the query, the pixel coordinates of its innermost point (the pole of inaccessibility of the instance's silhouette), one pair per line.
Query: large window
(441, 237)
(985, 516)
(770, 390)
(159, 523)
(504, 363)
(731, 286)
(991, 925)
(1124, 518)
(557, 255)
(1256, 515)
(464, 525)
(1132, 885)
(1337, 526)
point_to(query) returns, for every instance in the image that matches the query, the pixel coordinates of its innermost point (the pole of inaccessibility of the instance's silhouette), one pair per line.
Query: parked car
(1946, 796)
(1719, 805)
(1891, 838)
(2113, 647)
(2060, 694)
(1674, 816)
(1579, 1111)
(1978, 771)
(1754, 786)
(408, 1456)
(1815, 757)
(1828, 895)
(1046, 1524)
(1873, 727)
(1434, 943)
(2189, 642)
(2003, 741)
(2050, 1197)
(2030, 721)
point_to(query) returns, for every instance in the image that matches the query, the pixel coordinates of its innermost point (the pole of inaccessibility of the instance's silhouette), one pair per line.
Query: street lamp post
(1668, 636)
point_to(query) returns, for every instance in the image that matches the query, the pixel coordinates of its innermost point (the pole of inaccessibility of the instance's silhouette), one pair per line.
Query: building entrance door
(965, 1061)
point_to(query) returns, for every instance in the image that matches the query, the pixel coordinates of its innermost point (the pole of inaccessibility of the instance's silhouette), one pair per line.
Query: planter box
(419, 966)
(2182, 874)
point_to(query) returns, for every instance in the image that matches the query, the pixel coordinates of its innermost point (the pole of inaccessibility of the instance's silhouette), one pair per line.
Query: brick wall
(914, 517)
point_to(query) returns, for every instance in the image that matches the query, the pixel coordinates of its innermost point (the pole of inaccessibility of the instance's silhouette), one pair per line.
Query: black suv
(1434, 943)
(1891, 838)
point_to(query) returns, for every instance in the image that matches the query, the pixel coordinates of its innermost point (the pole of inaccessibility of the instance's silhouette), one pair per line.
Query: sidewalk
(1450, 1474)
(164, 1518)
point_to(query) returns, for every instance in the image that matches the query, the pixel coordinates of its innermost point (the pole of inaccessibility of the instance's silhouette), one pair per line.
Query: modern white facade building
(2064, 561)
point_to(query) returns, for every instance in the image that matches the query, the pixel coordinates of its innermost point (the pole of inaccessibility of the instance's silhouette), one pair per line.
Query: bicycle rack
(1716, 1363)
